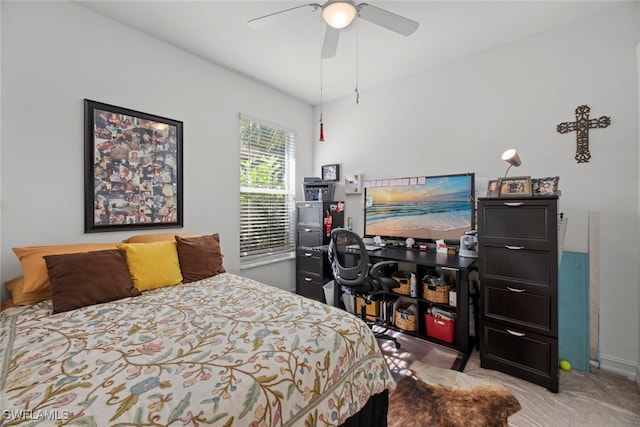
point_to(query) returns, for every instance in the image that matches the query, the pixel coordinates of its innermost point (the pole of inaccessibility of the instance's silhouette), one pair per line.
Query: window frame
(280, 214)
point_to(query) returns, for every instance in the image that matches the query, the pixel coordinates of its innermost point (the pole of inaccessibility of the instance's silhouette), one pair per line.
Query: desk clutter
(434, 287)
(425, 277)
(402, 313)
(405, 316)
(441, 324)
(467, 246)
(401, 308)
(405, 279)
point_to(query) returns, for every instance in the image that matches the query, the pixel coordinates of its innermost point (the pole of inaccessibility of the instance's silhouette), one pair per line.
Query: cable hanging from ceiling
(357, 91)
(321, 138)
(338, 15)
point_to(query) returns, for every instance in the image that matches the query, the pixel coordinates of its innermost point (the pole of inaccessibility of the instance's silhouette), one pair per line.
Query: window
(267, 191)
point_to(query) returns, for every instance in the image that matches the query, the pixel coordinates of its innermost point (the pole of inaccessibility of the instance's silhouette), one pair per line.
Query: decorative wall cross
(582, 126)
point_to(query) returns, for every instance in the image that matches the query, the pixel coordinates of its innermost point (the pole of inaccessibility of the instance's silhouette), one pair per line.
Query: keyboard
(367, 247)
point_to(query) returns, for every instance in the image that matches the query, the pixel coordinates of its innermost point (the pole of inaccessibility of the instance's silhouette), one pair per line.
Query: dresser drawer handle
(514, 248)
(308, 254)
(515, 290)
(513, 204)
(307, 279)
(514, 333)
(307, 230)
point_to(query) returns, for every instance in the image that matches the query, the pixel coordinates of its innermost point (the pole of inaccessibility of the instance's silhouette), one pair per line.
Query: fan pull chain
(321, 137)
(357, 73)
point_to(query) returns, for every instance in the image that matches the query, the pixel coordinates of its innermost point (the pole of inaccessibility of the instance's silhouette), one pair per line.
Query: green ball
(565, 366)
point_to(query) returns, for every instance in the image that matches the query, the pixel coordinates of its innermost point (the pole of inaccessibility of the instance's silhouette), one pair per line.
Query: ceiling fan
(340, 14)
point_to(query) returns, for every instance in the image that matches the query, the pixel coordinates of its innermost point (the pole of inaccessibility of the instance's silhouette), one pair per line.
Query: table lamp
(511, 156)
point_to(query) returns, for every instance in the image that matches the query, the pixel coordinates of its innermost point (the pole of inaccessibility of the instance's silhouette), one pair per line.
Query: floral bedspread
(224, 351)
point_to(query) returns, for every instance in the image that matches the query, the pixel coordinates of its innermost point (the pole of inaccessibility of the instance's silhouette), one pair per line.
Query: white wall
(638, 235)
(3, 291)
(55, 54)
(455, 118)
(461, 116)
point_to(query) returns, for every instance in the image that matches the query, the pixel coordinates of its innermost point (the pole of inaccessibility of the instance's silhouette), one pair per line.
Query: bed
(224, 350)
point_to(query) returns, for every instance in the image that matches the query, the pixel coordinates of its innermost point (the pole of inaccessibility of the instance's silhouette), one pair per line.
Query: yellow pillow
(20, 297)
(156, 237)
(34, 269)
(152, 265)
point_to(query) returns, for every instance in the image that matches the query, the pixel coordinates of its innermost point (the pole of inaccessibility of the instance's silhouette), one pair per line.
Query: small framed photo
(353, 184)
(545, 186)
(330, 172)
(515, 186)
(493, 188)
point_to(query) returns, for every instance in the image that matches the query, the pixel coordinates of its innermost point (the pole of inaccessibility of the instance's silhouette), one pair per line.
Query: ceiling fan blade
(388, 20)
(272, 18)
(330, 42)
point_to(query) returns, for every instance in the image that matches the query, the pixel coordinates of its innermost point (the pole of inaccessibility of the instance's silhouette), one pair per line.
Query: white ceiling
(286, 55)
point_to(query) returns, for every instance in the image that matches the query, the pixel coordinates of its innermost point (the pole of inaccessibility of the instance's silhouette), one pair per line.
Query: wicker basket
(404, 278)
(434, 290)
(405, 321)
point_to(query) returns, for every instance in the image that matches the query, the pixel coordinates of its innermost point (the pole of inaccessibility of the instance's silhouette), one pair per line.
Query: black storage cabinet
(315, 220)
(518, 264)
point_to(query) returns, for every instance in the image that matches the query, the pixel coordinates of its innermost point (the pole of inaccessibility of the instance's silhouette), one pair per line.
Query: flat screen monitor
(423, 208)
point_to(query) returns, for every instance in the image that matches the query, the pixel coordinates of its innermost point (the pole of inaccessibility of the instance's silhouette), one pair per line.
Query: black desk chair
(363, 279)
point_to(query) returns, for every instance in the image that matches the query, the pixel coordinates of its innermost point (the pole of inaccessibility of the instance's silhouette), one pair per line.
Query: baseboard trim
(620, 367)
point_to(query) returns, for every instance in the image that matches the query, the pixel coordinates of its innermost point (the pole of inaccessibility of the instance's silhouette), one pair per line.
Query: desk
(422, 262)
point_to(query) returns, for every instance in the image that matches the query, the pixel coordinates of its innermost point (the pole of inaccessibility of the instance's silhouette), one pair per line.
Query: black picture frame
(133, 169)
(331, 172)
(493, 188)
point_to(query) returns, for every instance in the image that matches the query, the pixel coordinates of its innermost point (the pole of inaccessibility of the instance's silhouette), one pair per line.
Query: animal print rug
(434, 396)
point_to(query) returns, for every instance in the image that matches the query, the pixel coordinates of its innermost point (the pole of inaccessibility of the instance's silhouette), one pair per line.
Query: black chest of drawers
(518, 264)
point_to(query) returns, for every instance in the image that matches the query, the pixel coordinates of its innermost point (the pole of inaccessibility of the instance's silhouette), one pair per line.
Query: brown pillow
(200, 257)
(82, 279)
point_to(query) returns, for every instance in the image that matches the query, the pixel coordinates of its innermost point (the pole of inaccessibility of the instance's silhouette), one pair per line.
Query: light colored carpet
(585, 399)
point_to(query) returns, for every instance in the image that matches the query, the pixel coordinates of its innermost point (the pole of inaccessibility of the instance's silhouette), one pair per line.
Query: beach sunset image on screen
(438, 207)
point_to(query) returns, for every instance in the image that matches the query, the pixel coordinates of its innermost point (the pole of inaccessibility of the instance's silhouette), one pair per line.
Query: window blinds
(267, 190)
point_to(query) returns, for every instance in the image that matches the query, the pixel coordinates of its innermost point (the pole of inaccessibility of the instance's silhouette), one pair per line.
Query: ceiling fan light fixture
(339, 14)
